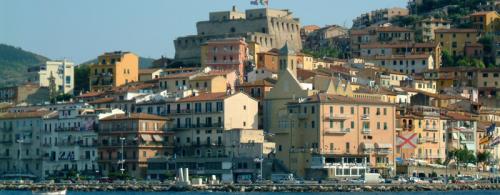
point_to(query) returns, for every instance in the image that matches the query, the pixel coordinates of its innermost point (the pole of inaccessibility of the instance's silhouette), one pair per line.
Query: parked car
(437, 180)
(465, 179)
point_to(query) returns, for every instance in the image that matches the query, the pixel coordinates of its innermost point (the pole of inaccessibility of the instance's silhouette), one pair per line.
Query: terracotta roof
(311, 27)
(178, 75)
(403, 57)
(392, 29)
(134, 116)
(456, 30)
(400, 45)
(31, 114)
(359, 32)
(102, 100)
(482, 13)
(328, 98)
(435, 20)
(305, 74)
(177, 69)
(90, 94)
(205, 97)
(257, 83)
(148, 70)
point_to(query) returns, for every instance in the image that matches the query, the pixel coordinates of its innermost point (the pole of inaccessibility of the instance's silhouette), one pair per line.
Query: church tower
(287, 60)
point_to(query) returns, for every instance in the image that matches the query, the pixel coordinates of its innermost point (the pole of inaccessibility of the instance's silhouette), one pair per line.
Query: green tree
(81, 79)
(464, 156)
(483, 158)
(448, 60)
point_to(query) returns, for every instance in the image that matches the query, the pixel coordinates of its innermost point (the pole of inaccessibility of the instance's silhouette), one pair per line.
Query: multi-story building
(207, 81)
(461, 129)
(373, 50)
(409, 64)
(386, 34)
(325, 37)
(426, 28)
(150, 74)
(257, 90)
(114, 69)
(62, 73)
(226, 54)
(21, 151)
(69, 141)
(330, 136)
(485, 21)
(454, 40)
(425, 124)
(269, 28)
(126, 141)
(27, 93)
(379, 16)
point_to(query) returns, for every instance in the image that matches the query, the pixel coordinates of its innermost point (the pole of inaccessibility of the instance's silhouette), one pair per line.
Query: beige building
(150, 74)
(61, 71)
(114, 69)
(454, 40)
(426, 27)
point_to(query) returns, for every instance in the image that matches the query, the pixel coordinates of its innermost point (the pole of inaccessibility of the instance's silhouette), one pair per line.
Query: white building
(69, 141)
(63, 73)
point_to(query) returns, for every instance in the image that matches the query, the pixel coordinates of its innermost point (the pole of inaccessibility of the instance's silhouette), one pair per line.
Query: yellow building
(454, 40)
(114, 69)
(485, 21)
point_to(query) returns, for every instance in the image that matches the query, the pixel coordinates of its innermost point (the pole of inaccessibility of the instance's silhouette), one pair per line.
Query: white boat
(60, 192)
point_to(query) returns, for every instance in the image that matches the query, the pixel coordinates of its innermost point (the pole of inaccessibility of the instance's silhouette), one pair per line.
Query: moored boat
(57, 192)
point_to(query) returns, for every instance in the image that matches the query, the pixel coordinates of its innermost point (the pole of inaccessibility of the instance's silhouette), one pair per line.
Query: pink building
(226, 54)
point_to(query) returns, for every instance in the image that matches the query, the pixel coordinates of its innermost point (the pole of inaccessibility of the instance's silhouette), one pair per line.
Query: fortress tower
(269, 28)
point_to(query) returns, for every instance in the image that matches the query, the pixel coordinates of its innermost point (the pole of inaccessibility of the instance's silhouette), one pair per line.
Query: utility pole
(122, 161)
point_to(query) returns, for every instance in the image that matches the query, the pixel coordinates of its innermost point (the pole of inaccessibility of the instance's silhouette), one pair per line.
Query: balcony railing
(337, 131)
(365, 117)
(336, 117)
(430, 128)
(366, 131)
(201, 125)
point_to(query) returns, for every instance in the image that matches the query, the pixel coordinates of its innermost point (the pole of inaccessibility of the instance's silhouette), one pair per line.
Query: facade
(226, 54)
(485, 21)
(69, 141)
(379, 16)
(332, 136)
(387, 34)
(150, 74)
(114, 69)
(21, 151)
(27, 93)
(409, 64)
(269, 28)
(426, 28)
(325, 37)
(126, 141)
(461, 131)
(373, 50)
(454, 40)
(62, 72)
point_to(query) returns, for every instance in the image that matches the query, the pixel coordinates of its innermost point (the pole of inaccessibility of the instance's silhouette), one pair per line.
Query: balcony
(6, 142)
(336, 117)
(408, 127)
(337, 131)
(302, 116)
(6, 129)
(201, 125)
(430, 128)
(422, 140)
(365, 117)
(366, 131)
(383, 151)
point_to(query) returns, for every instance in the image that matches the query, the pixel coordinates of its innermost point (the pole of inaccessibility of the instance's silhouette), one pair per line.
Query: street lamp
(122, 161)
(20, 141)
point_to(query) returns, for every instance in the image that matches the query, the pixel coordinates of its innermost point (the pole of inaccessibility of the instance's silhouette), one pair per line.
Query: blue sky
(81, 30)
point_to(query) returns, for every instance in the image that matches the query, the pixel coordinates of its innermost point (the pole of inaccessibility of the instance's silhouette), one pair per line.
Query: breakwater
(256, 188)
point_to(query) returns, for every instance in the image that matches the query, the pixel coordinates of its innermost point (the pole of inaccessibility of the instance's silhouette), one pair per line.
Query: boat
(59, 192)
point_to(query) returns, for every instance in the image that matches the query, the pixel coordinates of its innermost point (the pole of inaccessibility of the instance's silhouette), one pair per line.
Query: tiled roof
(148, 70)
(402, 57)
(90, 94)
(392, 29)
(102, 100)
(257, 83)
(205, 97)
(178, 75)
(328, 98)
(134, 116)
(400, 45)
(31, 114)
(459, 116)
(456, 30)
(482, 13)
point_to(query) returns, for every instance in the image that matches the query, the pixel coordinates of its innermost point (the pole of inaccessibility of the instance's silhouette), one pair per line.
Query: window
(313, 125)
(378, 125)
(341, 110)
(352, 110)
(352, 124)
(68, 79)
(312, 109)
(331, 110)
(385, 111)
(385, 126)
(347, 147)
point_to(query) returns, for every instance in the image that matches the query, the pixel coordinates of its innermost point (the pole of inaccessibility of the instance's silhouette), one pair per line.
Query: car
(414, 180)
(465, 179)
(356, 181)
(437, 180)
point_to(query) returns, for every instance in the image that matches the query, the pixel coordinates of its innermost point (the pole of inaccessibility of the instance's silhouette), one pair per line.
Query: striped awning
(157, 138)
(146, 138)
(383, 145)
(367, 146)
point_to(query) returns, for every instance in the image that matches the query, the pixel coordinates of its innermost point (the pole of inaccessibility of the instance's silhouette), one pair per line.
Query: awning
(158, 138)
(455, 136)
(383, 145)
(367, 146)
(146, 138)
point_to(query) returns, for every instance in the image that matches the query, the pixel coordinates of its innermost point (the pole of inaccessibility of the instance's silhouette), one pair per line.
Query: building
(333, 136)
(425, 124)
(21, 149)
(62, 72)
(326, 37)
(206, 81)
(461, 131)
(385, 34)
(485, 21)
(26, 93)
(379, 16)
(226, 54)
(114, 69)
(257, 90)
(408, 64)
(269, 28)
(69, 142)
(426, 28)
(454, 40)
(126, 141)
(150, 74)
(372, 50)
(241, 154)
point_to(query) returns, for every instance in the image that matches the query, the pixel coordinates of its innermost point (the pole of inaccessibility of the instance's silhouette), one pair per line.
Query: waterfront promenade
(145, 187)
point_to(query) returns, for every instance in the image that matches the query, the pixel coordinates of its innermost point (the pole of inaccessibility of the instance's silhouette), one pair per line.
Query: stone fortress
(267, 28)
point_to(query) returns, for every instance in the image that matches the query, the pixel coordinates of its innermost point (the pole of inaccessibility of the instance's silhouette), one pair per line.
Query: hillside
(14, 64)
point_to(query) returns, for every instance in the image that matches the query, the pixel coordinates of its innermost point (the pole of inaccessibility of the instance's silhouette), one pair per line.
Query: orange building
(114, 69)
(130, 140)
(226, 54)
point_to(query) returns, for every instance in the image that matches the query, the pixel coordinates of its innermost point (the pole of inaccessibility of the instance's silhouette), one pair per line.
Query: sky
(81, 30)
